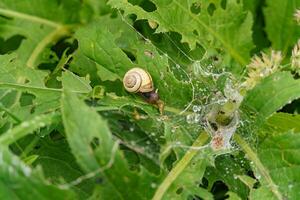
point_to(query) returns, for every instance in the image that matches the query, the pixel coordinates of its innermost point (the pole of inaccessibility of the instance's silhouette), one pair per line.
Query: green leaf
(99, 54)
(27, 127)
(57, 162)
(233, 196)
(259, 104)
(65, 113)
(228, 29)
(81, 129)
(96, 152)
(259, 169)
(183, 177)
(280, 156)
(281, 26)
(75, 83)
(283, 122)
(18, 181)
(227, 169)
(270, 95)
(15, 77)
(35, 21)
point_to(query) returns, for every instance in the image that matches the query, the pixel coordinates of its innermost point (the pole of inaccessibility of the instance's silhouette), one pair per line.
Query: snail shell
(138, 80)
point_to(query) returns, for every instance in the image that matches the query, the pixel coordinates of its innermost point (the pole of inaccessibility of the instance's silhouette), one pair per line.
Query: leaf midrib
(35, 19)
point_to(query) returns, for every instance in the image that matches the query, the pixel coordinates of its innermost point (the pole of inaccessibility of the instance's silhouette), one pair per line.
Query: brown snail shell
(138, 80)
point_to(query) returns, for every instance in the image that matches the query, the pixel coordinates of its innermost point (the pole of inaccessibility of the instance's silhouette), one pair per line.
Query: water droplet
(258, 176)
(25, 124)
(26, 170)
(193, 118)
(196, 108)
(162, 75)
(153, 185)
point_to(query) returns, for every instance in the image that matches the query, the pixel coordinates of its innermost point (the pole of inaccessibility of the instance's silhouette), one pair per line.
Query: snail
(138, 80)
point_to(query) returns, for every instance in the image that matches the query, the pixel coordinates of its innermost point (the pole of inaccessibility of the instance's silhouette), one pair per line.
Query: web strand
(190, 81)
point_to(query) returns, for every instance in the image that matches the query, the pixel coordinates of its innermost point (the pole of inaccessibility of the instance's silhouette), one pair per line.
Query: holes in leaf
(219, 189)
(99, 180)
(11, 44)
(204, 183)
(95, 143)
(251, 174)
(12, 60)
(179, 190)
(296, 75)
(66, 43)
(196, 8)
(26, 99)
(32, 109)
(256, 185)
(214, 126)
(223, 4)
(149, 53)
(169, 160)
(195, 32)
(292, 107)
(130, 55)
(147, 5)
(56, 136)
(52, 56)
(211, 9)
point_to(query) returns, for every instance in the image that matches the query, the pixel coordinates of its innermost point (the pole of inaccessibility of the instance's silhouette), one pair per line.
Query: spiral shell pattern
(138, 80)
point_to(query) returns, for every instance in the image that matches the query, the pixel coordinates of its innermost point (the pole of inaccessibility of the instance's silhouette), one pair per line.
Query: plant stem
(180, 166)
(175, 110)
(260, 167)
(59, 32)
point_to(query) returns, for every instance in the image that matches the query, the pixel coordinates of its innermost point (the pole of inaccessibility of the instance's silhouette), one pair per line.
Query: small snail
(137, 80)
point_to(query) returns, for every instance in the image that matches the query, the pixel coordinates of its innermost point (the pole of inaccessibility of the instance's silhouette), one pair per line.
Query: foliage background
(69, 130)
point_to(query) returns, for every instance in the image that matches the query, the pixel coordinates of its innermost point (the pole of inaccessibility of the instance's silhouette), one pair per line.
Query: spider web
(192, 115)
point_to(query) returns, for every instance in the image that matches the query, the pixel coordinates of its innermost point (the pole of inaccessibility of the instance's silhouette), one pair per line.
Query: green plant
(227, 73)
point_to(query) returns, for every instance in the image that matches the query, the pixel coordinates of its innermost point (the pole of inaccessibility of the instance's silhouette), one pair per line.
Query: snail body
(151, 97)
(138, 80)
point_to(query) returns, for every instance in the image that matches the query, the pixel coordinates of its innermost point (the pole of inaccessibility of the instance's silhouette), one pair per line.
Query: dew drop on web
(193, 118)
